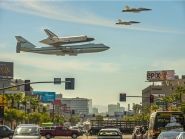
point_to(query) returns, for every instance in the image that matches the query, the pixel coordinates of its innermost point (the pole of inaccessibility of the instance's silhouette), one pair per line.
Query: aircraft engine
(67, 49)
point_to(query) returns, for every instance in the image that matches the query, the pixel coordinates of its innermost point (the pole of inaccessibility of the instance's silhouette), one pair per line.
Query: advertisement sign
(6, 70)
(45, 97)
(57, 102)
(160, 75)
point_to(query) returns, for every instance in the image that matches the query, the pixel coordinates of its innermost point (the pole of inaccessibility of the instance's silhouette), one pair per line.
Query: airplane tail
(50, 34)
(23, 44)
(127, 7)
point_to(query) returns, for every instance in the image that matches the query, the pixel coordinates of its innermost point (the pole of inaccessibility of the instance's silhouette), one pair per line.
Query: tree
(34, 117)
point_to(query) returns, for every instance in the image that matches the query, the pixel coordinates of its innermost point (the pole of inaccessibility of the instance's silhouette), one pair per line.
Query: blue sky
(157, 43)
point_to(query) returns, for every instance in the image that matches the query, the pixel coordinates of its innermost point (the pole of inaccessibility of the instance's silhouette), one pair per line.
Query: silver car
(27, 131)
(169, 135)
(109, 133)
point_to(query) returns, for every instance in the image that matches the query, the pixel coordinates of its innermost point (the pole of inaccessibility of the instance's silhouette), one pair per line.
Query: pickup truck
(59, 131)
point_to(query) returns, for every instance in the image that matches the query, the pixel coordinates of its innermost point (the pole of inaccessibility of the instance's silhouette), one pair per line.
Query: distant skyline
(157, 43)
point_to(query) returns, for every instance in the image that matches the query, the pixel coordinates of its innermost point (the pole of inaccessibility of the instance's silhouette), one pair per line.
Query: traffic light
(27, 85)
(73, 112)
(122, 97)
(1, 112)
(151, 98)
(69, 83)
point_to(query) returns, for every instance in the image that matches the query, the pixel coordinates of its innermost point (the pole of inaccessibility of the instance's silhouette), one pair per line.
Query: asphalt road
(91, 137)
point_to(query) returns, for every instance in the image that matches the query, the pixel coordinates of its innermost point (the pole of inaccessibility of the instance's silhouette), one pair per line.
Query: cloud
(49, 63)
(175, 64)
(69, 14)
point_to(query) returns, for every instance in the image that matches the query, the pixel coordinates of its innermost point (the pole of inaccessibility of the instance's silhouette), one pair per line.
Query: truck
(51, 132)
(125, 127)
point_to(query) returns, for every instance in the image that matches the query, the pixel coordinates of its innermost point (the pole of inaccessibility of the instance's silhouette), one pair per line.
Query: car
(59, 131)
(136, 132)
(109, 133)
(181, 135)
(6, 132)
(27, 131)
(169, 135)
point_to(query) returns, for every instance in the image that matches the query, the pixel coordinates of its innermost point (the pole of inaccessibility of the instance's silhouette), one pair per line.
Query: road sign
(69, 83)
(57, 80)
(46, 97)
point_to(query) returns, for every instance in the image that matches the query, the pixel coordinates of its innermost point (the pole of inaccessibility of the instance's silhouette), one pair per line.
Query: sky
(157, 43)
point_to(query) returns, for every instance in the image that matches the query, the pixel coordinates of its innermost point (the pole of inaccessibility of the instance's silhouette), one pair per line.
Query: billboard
(45, 97)
(160, 75)
(6, 70)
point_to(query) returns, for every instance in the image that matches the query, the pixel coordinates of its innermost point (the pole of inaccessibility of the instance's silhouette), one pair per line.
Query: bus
(164, 121)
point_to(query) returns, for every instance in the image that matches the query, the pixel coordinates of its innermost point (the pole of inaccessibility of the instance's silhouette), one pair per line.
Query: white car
(109, 133)
(181, 135)
(27, 131)
(170, 135)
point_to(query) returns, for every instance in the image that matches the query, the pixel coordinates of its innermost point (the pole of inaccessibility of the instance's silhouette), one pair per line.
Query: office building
(78, 105)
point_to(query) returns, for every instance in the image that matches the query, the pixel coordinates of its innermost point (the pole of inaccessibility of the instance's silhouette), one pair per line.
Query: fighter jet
(120, 22)
(72, 50)
(54, 40)
(134, 10)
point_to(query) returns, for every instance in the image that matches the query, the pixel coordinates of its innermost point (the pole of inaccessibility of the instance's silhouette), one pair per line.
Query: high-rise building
(112, 108)
(78, 105)
(95, 110)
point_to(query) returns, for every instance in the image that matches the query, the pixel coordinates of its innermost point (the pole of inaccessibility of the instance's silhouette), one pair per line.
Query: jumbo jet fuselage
(72, 50)
(57, 41)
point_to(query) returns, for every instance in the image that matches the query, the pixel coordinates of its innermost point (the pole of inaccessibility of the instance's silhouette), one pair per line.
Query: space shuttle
(55, 40)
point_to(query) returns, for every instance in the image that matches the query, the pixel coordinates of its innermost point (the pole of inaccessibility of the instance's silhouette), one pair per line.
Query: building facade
(113, 108)
(78, 105)
(165, 89)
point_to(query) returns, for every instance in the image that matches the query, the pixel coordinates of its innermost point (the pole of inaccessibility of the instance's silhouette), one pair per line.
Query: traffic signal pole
(5, 88)
(56, 81)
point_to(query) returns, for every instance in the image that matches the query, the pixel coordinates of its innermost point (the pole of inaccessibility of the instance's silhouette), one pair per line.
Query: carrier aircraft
(72, 50)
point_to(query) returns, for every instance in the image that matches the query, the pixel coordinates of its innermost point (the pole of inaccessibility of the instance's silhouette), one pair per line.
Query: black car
(5, 132)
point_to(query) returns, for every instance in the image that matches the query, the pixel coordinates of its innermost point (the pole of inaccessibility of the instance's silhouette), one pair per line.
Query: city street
(90, 137)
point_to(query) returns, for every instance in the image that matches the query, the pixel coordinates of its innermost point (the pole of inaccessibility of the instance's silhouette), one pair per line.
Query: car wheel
(10, 137)
(74, 136)
(48, 136)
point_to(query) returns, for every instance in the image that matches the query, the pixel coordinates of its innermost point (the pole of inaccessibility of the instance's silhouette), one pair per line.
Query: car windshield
(27, 131)
(168, 135)
(108, 133)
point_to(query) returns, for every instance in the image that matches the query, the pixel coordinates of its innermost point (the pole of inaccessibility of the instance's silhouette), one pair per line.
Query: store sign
(6, 70)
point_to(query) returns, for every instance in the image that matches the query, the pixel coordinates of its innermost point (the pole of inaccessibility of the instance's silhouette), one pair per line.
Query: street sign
(122, 97)
(69, 83)
(57, 80)
(6, 70)
(46, 97)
